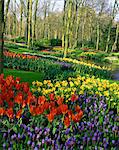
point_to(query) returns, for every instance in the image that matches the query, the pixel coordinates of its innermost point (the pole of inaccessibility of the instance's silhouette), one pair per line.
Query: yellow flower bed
(88, 53)
(79, 85)
(84, 63)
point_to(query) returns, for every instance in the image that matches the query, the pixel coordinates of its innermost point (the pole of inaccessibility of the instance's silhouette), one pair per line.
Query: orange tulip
(50, 117)
(64, 108)
(10, 113)
(18, 114)
(70, 113)
(2, 111)
(41, 100)
(59, 100)
(77, 117)
(32, 110)
(77, 108)
(67, 122)
(39, 110)
(19, 98)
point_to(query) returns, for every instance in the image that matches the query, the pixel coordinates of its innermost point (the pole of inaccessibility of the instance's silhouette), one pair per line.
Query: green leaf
(54, 130)
(101, 120)
(15, 129)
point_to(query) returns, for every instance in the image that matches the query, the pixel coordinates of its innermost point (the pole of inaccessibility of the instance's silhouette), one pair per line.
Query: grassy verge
(25, 76)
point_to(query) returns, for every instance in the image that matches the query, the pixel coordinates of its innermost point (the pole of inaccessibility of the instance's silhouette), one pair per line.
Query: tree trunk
(64, 23)
(29, 23)
(98, 36)
(1, 34)
(21, 17)
(15, 22)
(35, 19)
(6, 12)
(77, 27)
(108, 37)
(114, 47)
(72, 21)
(83, 27)
(67, 27)
(110, 26)
(44, 22)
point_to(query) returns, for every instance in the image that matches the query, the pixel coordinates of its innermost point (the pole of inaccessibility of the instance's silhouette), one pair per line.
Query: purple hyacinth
(29, 142)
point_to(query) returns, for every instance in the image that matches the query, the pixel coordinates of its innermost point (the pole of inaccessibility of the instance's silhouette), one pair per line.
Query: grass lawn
(26, 76)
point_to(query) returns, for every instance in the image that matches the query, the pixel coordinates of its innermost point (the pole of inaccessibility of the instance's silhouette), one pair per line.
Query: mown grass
(25, 76)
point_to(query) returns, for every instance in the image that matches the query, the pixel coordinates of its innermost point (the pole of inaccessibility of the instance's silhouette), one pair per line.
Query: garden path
(116, 73)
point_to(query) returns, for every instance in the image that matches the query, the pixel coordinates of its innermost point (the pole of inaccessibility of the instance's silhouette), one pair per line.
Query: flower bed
(85, 64)
(52, 122)
(80, 85)
(50, 67)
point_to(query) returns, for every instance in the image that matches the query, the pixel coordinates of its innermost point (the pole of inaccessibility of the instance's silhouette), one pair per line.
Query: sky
(60, 3)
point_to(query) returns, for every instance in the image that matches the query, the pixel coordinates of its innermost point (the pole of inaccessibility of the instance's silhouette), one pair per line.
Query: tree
(15, 20)
(27, 22)
(114, 47)
(63, 36)
(1, 33)
(30, 24)
(21, 16)
(35, 19)
(110, 25)
(67, 26)
(102, 5)
(6, 12)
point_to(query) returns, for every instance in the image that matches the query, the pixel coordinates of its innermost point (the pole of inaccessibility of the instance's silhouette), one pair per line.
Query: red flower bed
(23, 56)
(15, 96)
(12, 94)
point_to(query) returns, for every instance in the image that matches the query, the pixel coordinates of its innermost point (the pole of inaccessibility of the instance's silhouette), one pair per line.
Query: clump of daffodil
(79, 85)
(75, 61)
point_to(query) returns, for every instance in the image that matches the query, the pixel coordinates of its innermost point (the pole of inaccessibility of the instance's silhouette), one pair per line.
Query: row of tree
(81, 22)
(90, 21)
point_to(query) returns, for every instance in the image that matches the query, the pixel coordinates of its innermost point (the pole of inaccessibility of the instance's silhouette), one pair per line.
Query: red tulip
(77, 108)
(19, 98)
(2, 111)
(60, 100)
(64, 108)
(50, 117)
(18, 114)
(52, 96)
(67, 122)
(74, 98)
(41, 100)
(10, 113)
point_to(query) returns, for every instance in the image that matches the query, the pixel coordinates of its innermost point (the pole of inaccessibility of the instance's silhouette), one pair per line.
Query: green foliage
(44, 43)
(83, 70)
(56, 42)
(48, 68)
(11, 46)
(41, 44)
(20, 39)
(97, 57)
(89, 44)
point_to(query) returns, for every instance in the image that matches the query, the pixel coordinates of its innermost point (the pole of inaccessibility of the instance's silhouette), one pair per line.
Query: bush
(89, 44)
(56, 42)
(20, 39)
(41, 44)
